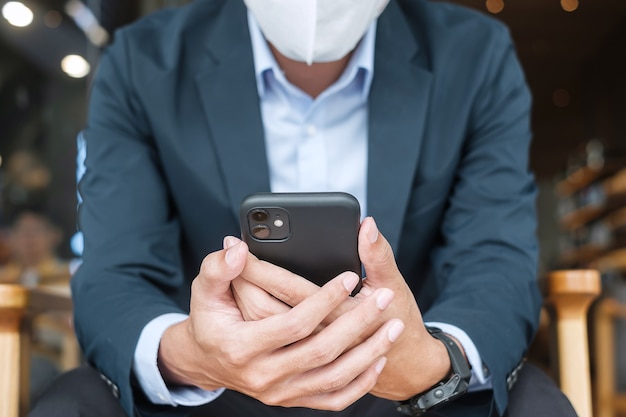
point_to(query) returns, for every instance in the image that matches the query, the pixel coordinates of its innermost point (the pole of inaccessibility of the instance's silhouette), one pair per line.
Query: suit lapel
(228, 91)
(398, 105)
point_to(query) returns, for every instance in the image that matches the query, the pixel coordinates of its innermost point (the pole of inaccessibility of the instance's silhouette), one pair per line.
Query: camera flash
(278, 223)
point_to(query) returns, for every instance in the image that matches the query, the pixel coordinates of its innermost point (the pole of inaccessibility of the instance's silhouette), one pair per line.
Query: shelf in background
(586, 175)
(611, 261)
(613, 192)
(582, 256)
(577, 180)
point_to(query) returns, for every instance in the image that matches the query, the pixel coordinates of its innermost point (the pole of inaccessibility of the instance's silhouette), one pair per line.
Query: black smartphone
(313, 235)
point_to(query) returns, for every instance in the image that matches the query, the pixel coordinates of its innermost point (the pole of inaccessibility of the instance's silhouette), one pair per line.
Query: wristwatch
(445, 391)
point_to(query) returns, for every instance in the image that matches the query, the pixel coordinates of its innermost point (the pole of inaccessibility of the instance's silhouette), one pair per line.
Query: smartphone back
(311, 234)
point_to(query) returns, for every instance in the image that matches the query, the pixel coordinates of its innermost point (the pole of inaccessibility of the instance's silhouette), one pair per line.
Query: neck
(312, 79)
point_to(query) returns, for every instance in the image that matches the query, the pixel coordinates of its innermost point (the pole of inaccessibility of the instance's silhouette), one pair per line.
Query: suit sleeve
(486, 262)
(131, 259)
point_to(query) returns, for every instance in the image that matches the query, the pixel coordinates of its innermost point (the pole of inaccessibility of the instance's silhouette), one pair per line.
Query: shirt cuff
(147, 371)
(480, 380)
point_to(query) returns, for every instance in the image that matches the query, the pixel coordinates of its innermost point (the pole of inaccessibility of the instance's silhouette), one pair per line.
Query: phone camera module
(260, 215)
(268, 223)
(261, 231)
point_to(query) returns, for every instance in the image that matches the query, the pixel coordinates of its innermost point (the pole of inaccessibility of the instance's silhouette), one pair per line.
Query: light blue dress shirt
(316, 144)
(312, 145)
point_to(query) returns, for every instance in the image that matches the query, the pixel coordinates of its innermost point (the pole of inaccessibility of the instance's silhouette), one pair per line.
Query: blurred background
(573, 53)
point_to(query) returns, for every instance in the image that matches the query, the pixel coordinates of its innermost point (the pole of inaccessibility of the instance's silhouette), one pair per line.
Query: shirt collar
(363, 57)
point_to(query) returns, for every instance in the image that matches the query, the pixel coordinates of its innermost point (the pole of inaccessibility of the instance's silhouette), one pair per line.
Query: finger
(337, 337)
(375, 346)
(218, 269)
(339, 399)
(299, 322)
(376, 255)
(286, 286)
(230, 241)
(255, 303)
(351, 373)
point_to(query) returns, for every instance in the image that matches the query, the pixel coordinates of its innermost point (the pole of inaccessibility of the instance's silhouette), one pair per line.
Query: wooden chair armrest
(569, 294)
(608, 401)
(13, 300)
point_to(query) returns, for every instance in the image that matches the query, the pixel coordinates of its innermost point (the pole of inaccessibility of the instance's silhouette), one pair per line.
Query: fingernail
(232, 254)
(384, 298)
(350, 281)
(230, 241)
(380, 365)
(395, 330)
(372, 232)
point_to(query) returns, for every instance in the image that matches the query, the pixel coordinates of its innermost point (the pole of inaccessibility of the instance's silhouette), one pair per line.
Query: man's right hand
(277, 360)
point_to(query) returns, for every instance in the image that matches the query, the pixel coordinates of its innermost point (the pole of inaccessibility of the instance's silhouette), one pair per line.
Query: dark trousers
(83, 393)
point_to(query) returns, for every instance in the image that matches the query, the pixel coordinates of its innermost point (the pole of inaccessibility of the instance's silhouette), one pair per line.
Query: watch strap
(448, 389)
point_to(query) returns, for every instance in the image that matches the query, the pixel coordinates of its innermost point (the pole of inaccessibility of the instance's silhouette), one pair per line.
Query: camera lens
(261, 231)
(259, 215)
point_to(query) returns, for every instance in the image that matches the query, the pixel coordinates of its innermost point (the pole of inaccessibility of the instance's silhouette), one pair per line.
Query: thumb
(377, 256)
(220, 268)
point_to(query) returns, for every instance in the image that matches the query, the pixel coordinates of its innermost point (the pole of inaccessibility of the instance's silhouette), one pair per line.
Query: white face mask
(315, 30)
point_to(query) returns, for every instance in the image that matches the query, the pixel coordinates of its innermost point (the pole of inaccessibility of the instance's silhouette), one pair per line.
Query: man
(418, 109)
(33, 240)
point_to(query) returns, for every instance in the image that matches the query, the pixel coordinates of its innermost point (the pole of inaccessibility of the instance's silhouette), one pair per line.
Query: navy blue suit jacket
(175, 141)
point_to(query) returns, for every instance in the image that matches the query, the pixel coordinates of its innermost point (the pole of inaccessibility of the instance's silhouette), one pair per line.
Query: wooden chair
(18, 308)
(568, 293)
(568, 296)
(608, 402)
(13, 302)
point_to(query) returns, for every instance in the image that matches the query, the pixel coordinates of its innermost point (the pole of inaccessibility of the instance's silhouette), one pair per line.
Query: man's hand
(415, 363)
(278, 359)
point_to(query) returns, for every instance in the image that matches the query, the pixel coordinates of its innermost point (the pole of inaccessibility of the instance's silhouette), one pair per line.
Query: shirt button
(311, 130)
(161, 397)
